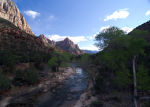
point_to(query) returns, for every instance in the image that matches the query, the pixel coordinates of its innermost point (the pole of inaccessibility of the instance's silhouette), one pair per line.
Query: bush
(146, 104)
(29, 76)
(99, 83)
(143, 78)
(123, 79)
(96, 104)
(5, 82)
(19, 78)
(39, 66)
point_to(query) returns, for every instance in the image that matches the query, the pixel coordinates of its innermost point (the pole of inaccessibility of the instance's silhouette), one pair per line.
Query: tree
(107, 36)
(121, 51)
(143, 78)
(59, 60)
(28, 76)
(53, 63)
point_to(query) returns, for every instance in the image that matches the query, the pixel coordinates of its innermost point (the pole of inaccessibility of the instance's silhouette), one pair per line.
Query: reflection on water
(79, 71)
(66, 95)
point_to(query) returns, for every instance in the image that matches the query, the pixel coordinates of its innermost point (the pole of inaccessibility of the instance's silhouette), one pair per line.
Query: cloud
(119, 14)
(147, 13)
(51, 17)
(75, 39)
(127, 29)
(90, 47)
(32, 13)
(104, 28)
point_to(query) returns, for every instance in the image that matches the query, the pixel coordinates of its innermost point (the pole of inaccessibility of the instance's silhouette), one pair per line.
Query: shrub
(143, 78)
(96, 104)
(5, 82)
(19, 78)
(29, 76)
(39, 66)
(123, 79)
(99, 83)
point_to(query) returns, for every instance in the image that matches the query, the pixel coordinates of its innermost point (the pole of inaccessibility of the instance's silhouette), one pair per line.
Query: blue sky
(81, 20)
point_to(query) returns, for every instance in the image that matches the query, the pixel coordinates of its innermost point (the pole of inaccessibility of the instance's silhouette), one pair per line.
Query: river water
(67, 94)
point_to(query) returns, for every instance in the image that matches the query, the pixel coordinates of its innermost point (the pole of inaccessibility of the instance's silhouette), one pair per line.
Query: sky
(81, 20)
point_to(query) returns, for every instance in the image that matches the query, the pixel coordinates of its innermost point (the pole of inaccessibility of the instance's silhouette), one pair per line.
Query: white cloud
(32, 13)
(119, 14)
(101, 29)
(51, 17)
(91, 47)
(104, 28)
(127, 29)
(75, 39)
(147, 13)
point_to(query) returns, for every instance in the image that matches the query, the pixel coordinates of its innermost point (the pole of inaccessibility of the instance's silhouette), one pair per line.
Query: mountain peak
(69, 46)
(66, 39)
(46, 41)
(10, 12)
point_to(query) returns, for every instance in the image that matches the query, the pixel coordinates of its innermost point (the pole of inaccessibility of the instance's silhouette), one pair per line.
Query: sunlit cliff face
(9, 11)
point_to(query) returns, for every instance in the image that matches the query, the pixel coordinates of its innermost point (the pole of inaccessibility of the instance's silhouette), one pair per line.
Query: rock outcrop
(47, 42)
(69, 46)
(10, 12)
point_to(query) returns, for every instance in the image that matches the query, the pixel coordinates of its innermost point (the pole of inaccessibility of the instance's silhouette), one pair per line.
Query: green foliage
(59, 60)
(53, 63)
(29, 76)
(106, 37)
(123, 79)
(85, 59)
(146, 104)
(143, 78)
(99, 83)
(117, 54)
(5, 82)
(96, 104)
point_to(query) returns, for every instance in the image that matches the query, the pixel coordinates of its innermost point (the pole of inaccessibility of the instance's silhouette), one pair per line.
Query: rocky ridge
(10, 12)
(69, 46)
(47, 42)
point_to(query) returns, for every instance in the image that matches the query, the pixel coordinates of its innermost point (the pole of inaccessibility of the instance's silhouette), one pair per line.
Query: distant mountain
(69, 46)
(10, 12)
(90, 51)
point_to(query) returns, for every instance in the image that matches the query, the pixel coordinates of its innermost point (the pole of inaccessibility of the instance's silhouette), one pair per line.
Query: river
(67, 94)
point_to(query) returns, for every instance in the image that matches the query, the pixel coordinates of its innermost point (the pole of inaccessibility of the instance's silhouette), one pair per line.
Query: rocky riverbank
(26, 96)
(87, 97)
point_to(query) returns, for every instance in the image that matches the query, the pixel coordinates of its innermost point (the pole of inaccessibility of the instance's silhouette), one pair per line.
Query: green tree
(143, 78)
(53, 63)
(119, 50)
(106, 37)
(31, 76)
(59, 60)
